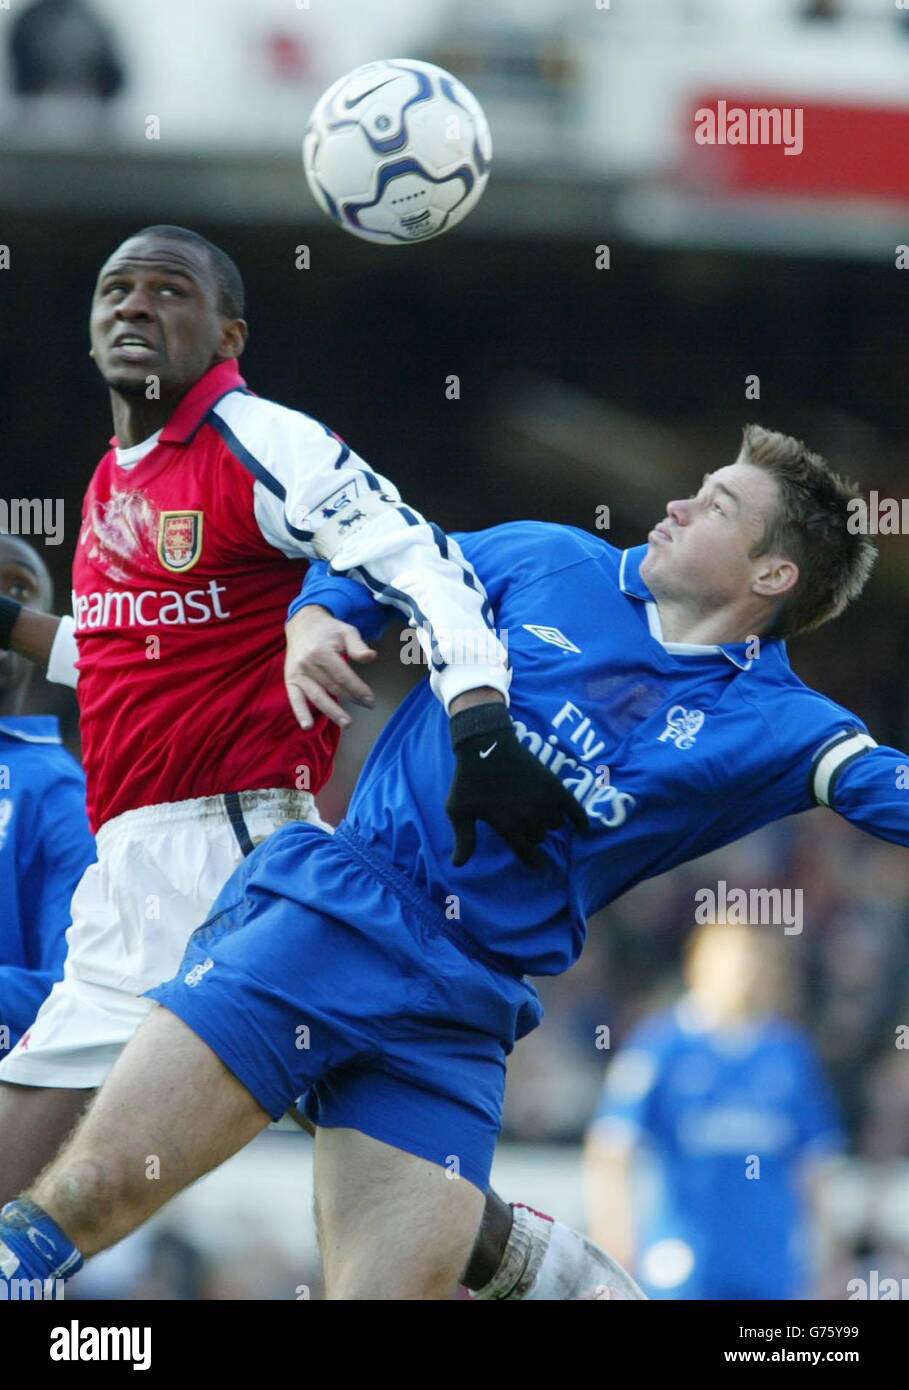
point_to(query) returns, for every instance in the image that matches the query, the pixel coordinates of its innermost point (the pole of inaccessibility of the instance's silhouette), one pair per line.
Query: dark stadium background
(578, 387)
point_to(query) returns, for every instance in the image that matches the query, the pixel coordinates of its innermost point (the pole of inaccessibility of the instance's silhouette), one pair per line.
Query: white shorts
(159, 871)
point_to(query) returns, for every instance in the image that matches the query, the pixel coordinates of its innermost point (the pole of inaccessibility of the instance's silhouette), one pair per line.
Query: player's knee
(88, 1194)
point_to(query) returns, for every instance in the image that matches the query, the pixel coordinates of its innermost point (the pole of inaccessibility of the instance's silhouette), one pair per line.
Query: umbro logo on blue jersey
(553, 635)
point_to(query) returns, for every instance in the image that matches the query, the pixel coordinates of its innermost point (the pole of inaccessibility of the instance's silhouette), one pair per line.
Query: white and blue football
(397, 151)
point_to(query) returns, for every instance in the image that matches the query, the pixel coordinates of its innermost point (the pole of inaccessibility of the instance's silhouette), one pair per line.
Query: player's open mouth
(133, 347)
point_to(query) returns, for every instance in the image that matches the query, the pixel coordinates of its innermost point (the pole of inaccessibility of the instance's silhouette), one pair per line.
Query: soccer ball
(397, 151)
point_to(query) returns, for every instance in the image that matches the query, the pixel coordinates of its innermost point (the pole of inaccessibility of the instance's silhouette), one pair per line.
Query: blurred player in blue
(383, 979)
(715, 1132)
(45, 842)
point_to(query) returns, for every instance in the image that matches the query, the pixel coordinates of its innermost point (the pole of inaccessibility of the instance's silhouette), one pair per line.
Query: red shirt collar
(218, 381)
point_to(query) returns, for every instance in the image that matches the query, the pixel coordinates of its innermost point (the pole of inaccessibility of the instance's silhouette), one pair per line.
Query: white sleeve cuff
(61, 665)
(453, 681)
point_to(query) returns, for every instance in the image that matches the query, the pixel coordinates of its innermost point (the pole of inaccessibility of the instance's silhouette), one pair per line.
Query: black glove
(498, 780)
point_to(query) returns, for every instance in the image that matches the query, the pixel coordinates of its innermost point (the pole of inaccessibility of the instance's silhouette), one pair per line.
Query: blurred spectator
(885, 1130)
(822, 9)
(729, 1105)
(867, 1268)
(165, 1263)
(853, 957)
(175, 1269)
(45, 841)
(65, 69)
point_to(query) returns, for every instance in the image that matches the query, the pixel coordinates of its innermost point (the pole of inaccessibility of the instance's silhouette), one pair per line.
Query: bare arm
(317, 674)
(33, 635)
(817, 1179)
(607, 1195)
(42, 638)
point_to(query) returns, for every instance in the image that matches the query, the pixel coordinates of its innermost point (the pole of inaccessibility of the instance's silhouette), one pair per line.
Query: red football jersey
(191, 549)
(180, 604)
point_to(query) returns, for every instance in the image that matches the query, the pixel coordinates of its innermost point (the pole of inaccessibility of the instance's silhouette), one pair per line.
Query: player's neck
(12, 703)
(136, 419)
(680, 622)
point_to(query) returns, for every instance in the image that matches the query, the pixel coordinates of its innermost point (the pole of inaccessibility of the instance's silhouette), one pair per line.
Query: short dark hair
(231, 294)
(809, 527)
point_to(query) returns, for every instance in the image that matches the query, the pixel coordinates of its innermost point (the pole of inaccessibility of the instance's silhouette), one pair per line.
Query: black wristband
(478, 719)
(9, 613)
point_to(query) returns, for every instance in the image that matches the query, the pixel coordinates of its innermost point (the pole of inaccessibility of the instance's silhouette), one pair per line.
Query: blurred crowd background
(579, 386)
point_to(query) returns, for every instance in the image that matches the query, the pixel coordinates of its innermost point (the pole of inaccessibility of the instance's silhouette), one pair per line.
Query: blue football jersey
(673, 749)
(726, 1118)
(45, 847)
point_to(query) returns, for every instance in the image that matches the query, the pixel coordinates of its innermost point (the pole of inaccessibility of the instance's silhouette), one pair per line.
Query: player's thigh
(391, 1225)
(170, 1110)
(34, 1122)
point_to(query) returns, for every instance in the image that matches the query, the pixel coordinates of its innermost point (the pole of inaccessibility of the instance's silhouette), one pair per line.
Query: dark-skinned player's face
(23, 577)
(156, 313)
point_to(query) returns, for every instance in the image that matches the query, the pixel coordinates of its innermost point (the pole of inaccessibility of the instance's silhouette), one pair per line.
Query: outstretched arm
(314, 497)
(44, 638)
(326, 626)
(866, 784)
(496, 779)
(26, 631)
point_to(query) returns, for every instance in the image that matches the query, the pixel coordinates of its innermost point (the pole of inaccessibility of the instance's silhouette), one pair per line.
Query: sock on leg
(32, 1246)
(545, 1260)
(527, 1245)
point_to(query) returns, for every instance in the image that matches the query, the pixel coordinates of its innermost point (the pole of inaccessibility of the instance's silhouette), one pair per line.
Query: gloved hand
(499, 781)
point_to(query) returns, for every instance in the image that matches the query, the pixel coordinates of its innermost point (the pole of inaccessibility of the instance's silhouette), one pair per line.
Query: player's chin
(129, 379)
(649, 562)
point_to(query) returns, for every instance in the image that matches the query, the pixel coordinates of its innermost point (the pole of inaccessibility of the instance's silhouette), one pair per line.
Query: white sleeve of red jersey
(313, 496)
(61, 664)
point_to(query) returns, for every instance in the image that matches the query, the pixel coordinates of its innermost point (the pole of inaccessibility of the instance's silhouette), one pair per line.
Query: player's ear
(232, 341)
(776, 577)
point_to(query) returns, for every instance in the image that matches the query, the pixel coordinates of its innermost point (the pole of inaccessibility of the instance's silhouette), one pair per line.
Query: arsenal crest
(180, 540)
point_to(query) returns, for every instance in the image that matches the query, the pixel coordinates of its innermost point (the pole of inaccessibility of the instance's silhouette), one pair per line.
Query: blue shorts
(324, 974)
